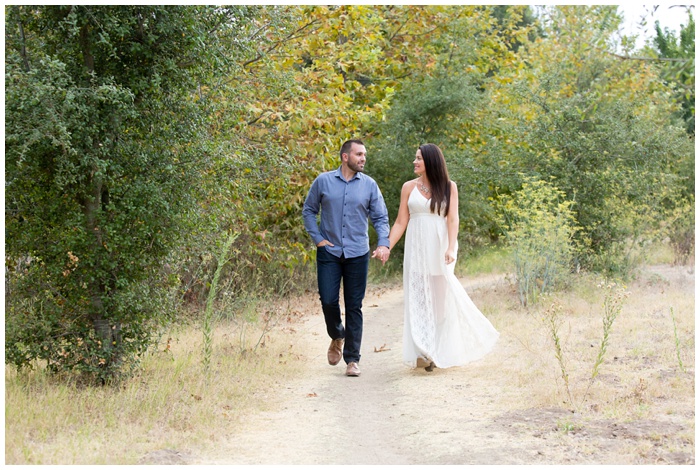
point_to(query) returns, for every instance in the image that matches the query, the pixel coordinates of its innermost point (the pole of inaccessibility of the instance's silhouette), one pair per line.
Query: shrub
(681, 231)
(104, 142)
(539, 225)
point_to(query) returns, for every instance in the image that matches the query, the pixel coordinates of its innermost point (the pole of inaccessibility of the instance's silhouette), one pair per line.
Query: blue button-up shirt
(345, 208)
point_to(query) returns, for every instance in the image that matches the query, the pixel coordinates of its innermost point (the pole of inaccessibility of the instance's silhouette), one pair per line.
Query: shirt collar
(339, 174)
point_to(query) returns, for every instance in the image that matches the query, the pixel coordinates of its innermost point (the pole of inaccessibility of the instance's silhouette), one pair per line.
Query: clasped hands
(382, 253)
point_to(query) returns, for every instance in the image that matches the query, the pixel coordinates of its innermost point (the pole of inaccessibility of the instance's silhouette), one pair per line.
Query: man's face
(356, 158)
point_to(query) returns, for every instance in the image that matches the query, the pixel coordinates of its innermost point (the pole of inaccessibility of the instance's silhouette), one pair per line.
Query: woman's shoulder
(409, 185)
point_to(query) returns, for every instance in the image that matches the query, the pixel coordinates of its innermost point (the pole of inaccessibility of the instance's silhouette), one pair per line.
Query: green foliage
(680, 229)
(603, 128)
(103, 138)
(539, 226)
(427, 116)
(680, 69)
(41, 323)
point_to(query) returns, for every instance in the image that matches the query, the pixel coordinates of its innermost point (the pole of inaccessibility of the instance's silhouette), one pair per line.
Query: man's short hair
(347, 145)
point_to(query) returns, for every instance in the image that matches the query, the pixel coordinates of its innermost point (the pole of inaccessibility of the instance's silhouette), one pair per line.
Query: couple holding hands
(442, 326)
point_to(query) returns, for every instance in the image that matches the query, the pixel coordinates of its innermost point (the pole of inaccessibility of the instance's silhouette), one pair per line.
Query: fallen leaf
(382, 348)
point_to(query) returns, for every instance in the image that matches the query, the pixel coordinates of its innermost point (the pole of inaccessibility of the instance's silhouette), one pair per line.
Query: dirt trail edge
(395, 415)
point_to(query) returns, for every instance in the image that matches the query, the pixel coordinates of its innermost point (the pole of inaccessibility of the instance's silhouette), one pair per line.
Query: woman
(442, 326)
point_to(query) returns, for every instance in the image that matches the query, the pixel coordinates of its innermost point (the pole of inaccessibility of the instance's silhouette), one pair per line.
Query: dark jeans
(353, 272)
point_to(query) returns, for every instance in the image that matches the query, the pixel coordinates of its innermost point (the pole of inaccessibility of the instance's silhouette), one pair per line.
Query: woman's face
(418, 164)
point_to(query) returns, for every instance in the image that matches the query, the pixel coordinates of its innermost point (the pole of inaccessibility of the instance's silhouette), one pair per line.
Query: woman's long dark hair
(439, 179)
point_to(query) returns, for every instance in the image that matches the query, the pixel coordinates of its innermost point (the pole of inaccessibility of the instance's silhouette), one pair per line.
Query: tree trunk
(88, 58)
(23, 50)
(108, 335)
(91, 205)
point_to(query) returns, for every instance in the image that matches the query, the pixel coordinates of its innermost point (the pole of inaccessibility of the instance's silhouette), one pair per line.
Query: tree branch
(257, 118)
(23, 51)
(650, 59)
(275, 45)
(400, 28)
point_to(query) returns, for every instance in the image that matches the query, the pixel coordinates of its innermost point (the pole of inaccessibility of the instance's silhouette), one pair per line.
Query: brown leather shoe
(335, 351)
(353, 370)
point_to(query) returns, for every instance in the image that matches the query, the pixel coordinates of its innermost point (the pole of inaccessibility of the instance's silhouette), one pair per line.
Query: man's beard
(355, 167)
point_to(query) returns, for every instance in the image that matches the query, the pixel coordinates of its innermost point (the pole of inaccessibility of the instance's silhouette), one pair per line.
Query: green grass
(659, 253)
(493, 259)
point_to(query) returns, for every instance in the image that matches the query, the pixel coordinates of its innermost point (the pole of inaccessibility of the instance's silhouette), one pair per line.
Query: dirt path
(389, 415)
(394, 415)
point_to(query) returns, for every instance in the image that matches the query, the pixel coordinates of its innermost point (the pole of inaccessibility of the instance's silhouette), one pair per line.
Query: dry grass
(640, 377)
(640, 408)
(171, 404)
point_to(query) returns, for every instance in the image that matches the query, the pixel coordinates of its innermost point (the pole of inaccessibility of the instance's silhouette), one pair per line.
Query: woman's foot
(425, 364)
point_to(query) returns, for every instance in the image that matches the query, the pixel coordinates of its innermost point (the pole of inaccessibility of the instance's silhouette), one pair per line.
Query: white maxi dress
(441, 323)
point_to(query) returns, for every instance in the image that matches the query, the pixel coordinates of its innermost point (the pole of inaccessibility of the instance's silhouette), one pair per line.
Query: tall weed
(677, 342)
(552, 319)
(612, 305)
(207, 326)
(553, 322)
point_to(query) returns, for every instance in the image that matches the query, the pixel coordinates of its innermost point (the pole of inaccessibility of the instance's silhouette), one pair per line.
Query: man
(346, 198)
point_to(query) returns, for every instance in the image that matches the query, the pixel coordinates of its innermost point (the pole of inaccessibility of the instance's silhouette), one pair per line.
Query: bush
(42, 323)
(539, 225)
(681, 231)
(104, 142)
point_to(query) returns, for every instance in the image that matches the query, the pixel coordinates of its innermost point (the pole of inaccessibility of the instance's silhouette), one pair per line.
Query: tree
(105, 135)
(680, 69)
(602, 126)
(447, 104)
(318, 76)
